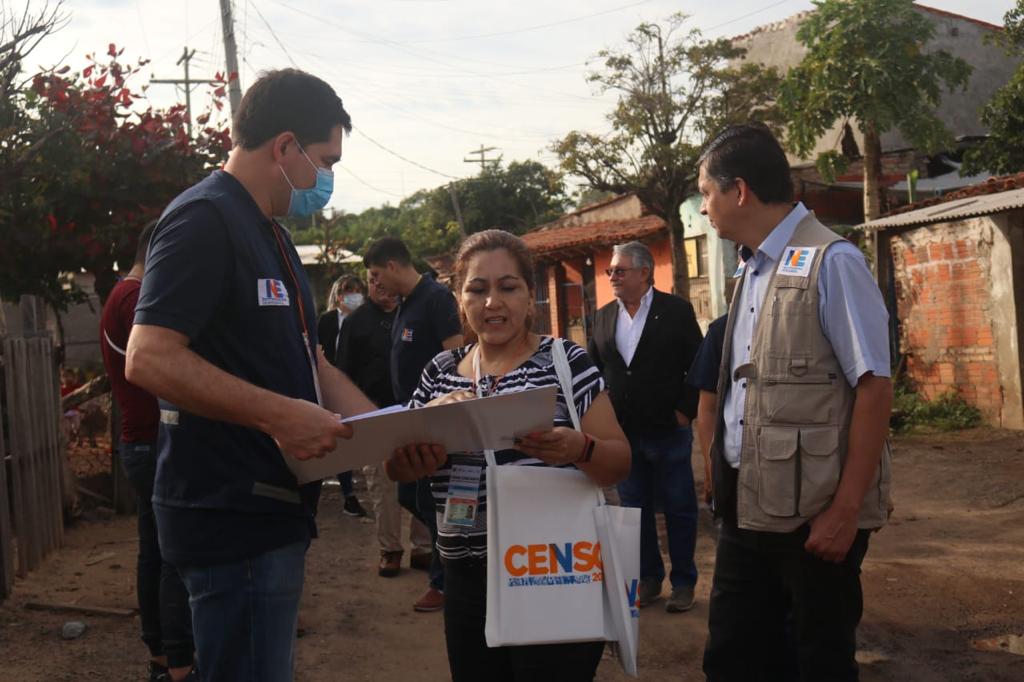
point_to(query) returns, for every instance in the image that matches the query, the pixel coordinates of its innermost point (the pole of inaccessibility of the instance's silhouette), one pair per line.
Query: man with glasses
(644, 342)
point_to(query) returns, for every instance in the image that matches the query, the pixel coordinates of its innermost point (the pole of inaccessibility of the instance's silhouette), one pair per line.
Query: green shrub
(948, 412)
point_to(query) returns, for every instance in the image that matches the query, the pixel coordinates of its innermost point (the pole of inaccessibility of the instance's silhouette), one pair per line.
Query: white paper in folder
(482, 423)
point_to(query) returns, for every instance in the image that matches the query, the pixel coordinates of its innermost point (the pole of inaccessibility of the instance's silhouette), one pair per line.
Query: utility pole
(187, 82)
(458, 211)
(482, 153)
(227, 22)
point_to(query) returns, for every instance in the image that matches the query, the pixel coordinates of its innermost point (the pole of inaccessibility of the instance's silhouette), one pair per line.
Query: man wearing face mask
(225, 336)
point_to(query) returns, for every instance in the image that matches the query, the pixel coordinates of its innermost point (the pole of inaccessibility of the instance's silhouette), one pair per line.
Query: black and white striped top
(441, 377)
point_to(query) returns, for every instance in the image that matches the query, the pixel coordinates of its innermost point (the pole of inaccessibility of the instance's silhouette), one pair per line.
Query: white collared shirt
(628, 329)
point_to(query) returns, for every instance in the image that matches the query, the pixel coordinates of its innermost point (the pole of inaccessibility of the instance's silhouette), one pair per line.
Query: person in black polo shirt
(225, 336)
(364, 354)
(427, 323)
(703, 376)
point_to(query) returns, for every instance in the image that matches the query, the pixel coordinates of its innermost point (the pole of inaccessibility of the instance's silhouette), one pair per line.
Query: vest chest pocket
(798, 469)
(797, 399)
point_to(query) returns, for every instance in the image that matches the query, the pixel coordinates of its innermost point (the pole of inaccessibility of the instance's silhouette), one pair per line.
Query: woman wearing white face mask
(347, 294)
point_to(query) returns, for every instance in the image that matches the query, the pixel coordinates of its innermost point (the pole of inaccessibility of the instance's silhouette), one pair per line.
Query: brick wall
(944, 294)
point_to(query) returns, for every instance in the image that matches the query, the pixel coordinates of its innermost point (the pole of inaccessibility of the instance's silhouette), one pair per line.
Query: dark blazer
(327, 335)
(647, 393)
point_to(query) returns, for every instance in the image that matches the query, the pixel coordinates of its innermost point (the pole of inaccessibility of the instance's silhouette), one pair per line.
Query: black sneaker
(157, 673)
(352, 507)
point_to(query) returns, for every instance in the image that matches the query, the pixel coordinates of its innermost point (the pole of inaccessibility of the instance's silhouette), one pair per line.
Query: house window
(696, 256)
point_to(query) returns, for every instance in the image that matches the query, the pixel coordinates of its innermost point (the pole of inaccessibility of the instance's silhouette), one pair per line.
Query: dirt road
(947, 571)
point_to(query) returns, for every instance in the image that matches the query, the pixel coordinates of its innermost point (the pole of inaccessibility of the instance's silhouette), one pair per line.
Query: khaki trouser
(389, 515)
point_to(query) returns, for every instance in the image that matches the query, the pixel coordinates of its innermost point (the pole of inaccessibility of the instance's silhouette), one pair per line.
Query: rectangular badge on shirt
(797, 261)
(271, 292)
(407, 335)
(463, 498)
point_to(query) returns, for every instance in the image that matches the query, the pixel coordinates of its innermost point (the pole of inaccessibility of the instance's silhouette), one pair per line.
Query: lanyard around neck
(302, 313)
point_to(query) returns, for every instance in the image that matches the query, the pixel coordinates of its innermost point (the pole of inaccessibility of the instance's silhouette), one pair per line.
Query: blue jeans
(245, 614)
(163, 600)
(661, 473)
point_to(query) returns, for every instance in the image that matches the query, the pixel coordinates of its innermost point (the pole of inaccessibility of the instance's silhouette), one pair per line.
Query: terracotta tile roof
(555, 238)
(1003, 183)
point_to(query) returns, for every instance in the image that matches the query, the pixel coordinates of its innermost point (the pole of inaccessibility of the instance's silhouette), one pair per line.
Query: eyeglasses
(617, 272)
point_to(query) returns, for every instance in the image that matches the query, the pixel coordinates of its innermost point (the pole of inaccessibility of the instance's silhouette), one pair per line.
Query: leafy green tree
(1003, 151)
(515, 198)
(675, 89)
(866, 63)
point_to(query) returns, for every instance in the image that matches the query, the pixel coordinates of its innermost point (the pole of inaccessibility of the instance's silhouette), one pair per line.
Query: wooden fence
(31, 512)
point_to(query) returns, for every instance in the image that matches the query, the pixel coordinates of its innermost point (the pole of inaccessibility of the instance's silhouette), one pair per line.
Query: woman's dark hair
(385, 249)
(493, 240)
(288, 100)
(751, 152)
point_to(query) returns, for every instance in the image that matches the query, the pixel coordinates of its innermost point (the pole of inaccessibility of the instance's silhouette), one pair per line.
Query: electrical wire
(403, 158)
(269, 28)
(364, 182)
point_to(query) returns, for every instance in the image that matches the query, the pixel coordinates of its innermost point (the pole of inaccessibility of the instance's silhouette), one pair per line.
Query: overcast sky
(429, 80)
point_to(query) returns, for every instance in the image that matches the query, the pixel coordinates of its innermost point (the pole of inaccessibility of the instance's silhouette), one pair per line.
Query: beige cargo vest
(799, 404)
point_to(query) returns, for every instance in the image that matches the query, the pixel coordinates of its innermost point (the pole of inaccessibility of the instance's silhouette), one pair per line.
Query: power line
(526, 29)
(745, 16)
(425, 54)
(403, 158)
(279, 43)
(364, 182)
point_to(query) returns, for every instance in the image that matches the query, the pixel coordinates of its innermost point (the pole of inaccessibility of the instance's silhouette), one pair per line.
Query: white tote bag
(618, 529)
(545, 581)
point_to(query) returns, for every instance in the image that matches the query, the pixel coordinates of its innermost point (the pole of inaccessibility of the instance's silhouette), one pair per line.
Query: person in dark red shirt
(163, 599)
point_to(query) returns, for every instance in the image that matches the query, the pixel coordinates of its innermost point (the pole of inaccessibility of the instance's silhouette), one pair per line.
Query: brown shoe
(432, 600)
(420, 560)
(390, 564)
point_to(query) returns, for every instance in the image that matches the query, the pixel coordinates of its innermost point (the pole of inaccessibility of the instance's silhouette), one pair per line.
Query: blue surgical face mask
(306, 202)
(352, 301)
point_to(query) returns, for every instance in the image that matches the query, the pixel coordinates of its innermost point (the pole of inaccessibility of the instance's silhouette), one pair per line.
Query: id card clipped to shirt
(460, 507)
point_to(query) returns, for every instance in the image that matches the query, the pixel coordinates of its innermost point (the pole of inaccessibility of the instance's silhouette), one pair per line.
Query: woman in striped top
(496, 293)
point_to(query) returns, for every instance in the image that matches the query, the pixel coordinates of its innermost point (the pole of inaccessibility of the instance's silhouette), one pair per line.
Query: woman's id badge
(463, 496)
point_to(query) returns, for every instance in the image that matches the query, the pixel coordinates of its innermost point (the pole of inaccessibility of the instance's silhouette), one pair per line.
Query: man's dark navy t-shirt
(426, 317)
(703, 373)
(221, 273)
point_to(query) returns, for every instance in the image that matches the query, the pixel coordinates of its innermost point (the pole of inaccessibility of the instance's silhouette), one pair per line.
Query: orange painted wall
(662, 253)
(603, 287)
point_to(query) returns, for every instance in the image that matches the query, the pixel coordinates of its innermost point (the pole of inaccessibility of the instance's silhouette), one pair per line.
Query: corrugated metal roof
(957, 209)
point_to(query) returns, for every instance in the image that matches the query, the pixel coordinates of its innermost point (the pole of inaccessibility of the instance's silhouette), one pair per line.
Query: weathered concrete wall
(776, 45)
(957, 308)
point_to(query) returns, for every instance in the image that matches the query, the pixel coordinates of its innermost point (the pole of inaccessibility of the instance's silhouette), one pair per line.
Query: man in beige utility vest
(800, 459)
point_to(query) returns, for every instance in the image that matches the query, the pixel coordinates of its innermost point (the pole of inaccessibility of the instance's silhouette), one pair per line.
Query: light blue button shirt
(852, 312)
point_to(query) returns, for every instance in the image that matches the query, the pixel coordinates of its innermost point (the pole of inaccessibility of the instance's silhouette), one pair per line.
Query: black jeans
(418, 499)
(163, 599)
(767, 584)
(471, 660)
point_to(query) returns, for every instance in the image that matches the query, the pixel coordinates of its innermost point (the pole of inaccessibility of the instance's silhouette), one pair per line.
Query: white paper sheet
(483, 423)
